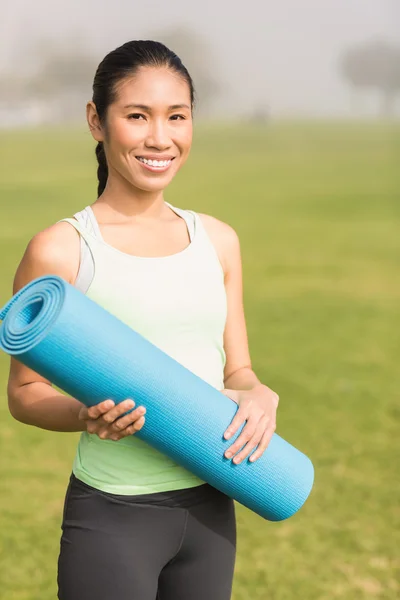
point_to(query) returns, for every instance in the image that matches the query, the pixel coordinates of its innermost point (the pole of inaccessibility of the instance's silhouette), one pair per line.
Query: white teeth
(154, 163)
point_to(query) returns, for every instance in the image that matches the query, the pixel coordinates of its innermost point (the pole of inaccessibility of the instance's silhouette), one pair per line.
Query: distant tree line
(63, 77)
(374, 65)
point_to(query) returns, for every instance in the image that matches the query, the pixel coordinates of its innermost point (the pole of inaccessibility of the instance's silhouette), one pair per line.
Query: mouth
(154, 165)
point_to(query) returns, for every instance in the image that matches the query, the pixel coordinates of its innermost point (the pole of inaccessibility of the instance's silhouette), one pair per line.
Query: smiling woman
(135, 523)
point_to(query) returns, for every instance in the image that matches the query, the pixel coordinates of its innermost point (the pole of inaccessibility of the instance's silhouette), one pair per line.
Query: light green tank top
(177, 302)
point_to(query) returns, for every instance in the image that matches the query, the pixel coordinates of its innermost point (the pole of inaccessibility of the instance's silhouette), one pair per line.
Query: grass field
(317, 209)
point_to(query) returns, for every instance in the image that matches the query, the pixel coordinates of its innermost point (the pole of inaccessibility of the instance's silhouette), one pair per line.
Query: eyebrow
(148, 109)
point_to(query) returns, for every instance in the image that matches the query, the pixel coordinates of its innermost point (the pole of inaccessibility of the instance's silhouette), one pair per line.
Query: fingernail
(227, 435)
(228, 454)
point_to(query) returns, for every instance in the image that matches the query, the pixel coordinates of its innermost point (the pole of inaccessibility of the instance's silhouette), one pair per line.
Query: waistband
(182, 498)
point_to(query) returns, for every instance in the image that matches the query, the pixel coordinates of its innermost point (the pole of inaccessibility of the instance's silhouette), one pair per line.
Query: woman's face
(149, 128)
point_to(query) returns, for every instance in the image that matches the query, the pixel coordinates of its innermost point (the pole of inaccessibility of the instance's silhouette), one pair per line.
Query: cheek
(126, 136)
(184, 138)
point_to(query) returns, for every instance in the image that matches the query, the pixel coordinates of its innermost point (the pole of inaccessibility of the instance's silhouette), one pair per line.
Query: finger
(101, 425)
(106, 433)
(246, 434)
(94, 412)
(237, 421)
(265, 440)
(118, 410)
(134, 428)
(127, 420)
(131, 430)
(102, 433)
(252, 443)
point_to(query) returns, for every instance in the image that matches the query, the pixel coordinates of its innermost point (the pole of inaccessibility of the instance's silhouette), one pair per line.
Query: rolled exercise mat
(63, 335)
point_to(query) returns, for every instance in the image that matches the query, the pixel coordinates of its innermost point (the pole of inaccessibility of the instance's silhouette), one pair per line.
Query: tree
(374, 65)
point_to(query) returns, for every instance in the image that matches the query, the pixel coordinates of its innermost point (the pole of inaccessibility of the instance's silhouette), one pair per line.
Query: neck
(123, 200)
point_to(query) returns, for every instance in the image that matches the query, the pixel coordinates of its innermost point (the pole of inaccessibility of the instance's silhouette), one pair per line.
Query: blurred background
(265, 60)
(297, 140)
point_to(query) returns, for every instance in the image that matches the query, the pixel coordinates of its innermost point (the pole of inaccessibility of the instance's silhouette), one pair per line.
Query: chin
(152, 186)
(153, 183)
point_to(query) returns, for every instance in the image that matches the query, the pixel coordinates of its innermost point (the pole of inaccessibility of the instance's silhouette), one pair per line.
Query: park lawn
(316, 207)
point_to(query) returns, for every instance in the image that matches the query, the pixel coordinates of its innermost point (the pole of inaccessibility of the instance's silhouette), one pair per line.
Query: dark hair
(123, 62)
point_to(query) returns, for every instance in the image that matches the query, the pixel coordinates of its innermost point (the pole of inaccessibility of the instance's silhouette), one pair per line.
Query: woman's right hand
(104, 419)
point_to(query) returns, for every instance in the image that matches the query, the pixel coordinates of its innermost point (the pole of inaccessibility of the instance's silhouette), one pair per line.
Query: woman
(136, 525)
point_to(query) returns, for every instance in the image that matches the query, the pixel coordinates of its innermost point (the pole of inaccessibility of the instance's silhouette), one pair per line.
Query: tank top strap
(80, 229)
(189, 217)
(86, 261)
(204, 242)
(197, 227)
(86, 218)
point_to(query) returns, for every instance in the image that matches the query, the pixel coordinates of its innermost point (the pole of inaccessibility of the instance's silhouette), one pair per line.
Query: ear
(94, 122)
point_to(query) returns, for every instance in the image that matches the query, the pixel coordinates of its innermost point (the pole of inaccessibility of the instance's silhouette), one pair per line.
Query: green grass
(317, 210)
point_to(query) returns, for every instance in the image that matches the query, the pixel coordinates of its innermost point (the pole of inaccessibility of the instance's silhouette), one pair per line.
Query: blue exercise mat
(63, 335)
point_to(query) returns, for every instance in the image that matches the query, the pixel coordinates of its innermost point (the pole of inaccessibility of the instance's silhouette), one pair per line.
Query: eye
(136, 116)
(177, 117)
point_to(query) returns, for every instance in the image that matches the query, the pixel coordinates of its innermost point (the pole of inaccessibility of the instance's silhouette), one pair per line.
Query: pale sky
(284, 52)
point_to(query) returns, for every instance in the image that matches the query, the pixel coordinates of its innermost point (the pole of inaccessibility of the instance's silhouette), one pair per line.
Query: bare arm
(238, 372)
(31, 398)
(257, 402)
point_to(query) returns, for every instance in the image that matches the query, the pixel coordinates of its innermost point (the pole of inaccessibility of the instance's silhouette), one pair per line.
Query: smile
(155, 165)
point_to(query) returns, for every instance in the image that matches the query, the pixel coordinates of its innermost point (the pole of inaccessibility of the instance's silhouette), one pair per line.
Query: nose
(157, 136)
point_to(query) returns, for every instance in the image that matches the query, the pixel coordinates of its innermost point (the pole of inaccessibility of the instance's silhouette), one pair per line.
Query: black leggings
(178, 545)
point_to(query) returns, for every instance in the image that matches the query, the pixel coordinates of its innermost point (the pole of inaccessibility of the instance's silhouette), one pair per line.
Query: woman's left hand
(258, 407)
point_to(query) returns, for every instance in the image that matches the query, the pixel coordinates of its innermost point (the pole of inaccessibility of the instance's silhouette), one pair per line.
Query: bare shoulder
(224, 238)
(54, 250)
(54, 244)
